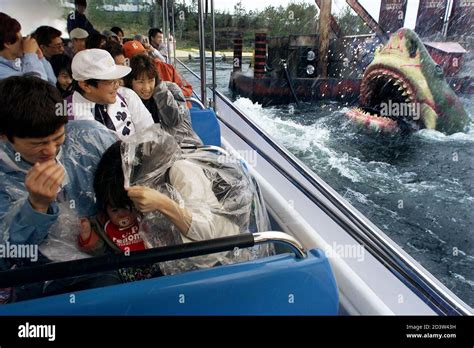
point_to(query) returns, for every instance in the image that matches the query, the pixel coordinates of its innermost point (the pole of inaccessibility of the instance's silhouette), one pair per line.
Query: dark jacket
(78, 20)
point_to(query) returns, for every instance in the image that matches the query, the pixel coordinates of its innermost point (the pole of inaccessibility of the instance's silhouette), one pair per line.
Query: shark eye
(412, 49)
(439, 69)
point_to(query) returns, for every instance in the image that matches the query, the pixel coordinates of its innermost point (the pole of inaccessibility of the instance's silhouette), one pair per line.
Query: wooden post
(260, 54)
(238, 53)
(324, 25)
(334, 26)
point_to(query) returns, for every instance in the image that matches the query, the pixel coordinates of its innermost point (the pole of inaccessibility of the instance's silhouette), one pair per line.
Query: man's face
(78, 45)
(104, 93)
(157, 39)
(55, 47)
(39, 150)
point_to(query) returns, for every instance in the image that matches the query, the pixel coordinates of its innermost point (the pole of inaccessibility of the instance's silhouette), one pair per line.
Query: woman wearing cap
(163, 99)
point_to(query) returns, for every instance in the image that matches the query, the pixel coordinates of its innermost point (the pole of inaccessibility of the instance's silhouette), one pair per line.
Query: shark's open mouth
(387, 101)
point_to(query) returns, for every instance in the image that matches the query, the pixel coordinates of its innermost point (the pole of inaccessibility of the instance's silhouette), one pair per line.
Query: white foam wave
(463, 279)
(435, 136)
(291, 134)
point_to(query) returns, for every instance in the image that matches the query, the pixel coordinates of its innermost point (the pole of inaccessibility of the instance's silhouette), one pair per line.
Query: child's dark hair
(95, 39)
(141, 64)
(116, 30)
(30, 108)
(109, 180)
(61, 62)
(114, 48)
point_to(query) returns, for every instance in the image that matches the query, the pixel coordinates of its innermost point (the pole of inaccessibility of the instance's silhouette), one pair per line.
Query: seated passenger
(111, 36)
(61, 64)
(167, 72)
(163, 99)
(46, 165)
(78, 38)
(49, 40)
(182, 197)
(98, 95)
(116, 51)
(96, 40)
(50, 43)
(119, 32)
(115, 228)
(155, 37)
(19, 55)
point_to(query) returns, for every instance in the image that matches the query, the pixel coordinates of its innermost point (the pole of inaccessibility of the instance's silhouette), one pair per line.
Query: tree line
(295, 18)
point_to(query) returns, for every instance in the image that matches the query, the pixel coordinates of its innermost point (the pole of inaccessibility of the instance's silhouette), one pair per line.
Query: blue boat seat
(206, 125)
(275, 285)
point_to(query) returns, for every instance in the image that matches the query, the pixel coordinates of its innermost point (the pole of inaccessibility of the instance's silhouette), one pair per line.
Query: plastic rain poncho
(218, 192)
(55, 233)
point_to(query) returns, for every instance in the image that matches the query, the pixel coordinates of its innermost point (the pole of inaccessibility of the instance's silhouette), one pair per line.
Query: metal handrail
(56, 270)
(281, 238)
(197, 101)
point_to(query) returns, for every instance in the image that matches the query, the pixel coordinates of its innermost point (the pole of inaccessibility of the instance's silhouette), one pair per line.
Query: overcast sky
(372, 6)
(33, 13)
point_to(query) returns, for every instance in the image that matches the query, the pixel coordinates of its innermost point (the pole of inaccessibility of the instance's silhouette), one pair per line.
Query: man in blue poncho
(45, 163)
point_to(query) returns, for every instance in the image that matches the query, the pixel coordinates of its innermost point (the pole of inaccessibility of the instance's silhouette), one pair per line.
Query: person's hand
(30, 45)
(86, 229)
(42, 183)
(146, 199)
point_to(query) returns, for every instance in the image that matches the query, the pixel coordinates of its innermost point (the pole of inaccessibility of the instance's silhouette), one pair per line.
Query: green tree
(350, 23)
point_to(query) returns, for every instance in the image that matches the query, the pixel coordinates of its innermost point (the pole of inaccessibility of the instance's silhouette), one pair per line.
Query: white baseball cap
(78, 33)
(96, 64)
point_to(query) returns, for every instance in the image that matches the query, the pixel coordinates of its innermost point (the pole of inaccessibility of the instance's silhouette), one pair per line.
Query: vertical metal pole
(167, 34)
(163, 12)
(449, 7)
(173, 33)
(155, 14)
(213, 28)
(164, 5)
(202, 53)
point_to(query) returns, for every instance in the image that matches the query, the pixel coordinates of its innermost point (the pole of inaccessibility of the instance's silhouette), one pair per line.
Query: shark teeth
(387, 76)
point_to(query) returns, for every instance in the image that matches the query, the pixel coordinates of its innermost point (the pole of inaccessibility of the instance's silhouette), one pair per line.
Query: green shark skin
(405, 60)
